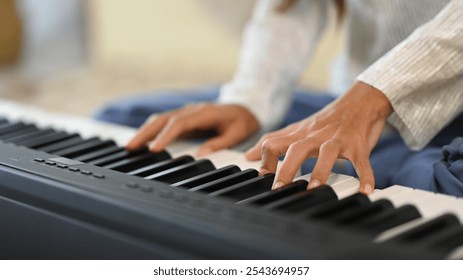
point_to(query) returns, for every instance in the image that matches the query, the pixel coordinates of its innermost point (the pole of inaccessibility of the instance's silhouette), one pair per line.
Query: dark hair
(285, 5)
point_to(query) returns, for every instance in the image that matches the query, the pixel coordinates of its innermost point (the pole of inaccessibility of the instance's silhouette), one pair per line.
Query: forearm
(275, 50)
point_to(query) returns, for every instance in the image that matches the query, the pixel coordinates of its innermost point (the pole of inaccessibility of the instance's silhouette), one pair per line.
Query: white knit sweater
(410, 50)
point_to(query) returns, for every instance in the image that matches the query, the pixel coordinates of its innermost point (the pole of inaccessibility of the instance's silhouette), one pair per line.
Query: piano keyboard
(63, 173)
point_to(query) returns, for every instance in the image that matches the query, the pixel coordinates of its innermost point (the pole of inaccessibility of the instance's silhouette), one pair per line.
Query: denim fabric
(448, 172)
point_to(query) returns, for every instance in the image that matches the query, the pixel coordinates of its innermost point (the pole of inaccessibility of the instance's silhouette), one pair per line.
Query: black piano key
(31, 135)
(6, 125)
(226, 181)
(51, 148)
(6, 137)
(45, 140)
(247, 188)
(121, 155)
(207, 177)
(303, 200)
(99, 153)
(183, 172)
(5, 122)
(161, 166)
(389, 219)
(11, 127)
(130, 164)
(87, 146)
(368, 211)
(335, 208)
(426, 230)
(273, 195)
(447, 240)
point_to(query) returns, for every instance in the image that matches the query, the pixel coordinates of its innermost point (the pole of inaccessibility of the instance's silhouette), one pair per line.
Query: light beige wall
(181, 34)
(156, 31)
(317, 73)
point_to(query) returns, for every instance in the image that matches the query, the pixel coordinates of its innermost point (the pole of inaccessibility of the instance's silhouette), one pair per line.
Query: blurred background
(75, 55)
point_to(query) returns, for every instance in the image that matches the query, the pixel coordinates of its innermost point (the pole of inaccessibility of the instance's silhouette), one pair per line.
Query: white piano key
(429, 204)
(336, 178)
(346, 188)
(332, 178)
(458, 211)
(307, 177)
(227, 157)
(389, 192)
(393, 232)
(343, 185)
(456, 254)
(410, 197)
(440, 204)
(304, 177)
(180, 148)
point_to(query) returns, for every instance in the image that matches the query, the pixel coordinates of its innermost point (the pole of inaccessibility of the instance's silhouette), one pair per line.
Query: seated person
(401, 69)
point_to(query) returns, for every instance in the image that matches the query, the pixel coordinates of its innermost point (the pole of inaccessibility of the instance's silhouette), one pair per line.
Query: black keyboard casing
(51, 212)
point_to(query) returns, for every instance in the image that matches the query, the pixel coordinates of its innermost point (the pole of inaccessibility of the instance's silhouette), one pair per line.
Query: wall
(187, 34)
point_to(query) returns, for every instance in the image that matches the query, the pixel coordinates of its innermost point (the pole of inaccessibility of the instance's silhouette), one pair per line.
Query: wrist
(368, 99)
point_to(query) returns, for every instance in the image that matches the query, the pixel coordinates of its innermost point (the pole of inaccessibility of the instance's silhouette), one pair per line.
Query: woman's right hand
(232, 123)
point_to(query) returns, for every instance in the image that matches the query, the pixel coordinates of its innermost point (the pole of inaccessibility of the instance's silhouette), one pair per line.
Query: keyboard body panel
(56, 213)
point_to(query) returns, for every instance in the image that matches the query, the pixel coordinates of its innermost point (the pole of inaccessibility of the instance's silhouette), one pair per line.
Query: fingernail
(277, 185)
(152, 147)
(129, 145)
(368, 188)
(314, 184)
(263, 172)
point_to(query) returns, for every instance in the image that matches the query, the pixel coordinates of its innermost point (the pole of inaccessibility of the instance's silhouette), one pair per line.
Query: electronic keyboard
(68, 190)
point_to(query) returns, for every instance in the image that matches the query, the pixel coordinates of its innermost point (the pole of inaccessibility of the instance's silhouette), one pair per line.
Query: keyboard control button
(131, 185)
(63, 166)
(165, 193)
(85, 172)
(73, 169)
(50, 162)
(99, 176)
(181, 197)
(39, 160)
(145, 188)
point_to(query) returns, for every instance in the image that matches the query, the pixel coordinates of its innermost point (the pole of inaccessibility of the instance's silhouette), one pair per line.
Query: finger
(148, 131)
(254, 153)
(297, 153)
(327, 156)
(225, 140)
(179, 124)
(272, 149)
(365, 172)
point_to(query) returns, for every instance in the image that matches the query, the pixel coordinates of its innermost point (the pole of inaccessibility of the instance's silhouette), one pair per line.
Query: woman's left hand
(348, 128)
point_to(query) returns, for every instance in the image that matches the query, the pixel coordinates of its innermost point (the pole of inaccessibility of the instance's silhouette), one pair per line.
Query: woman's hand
(232, 123)
(348, 128)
